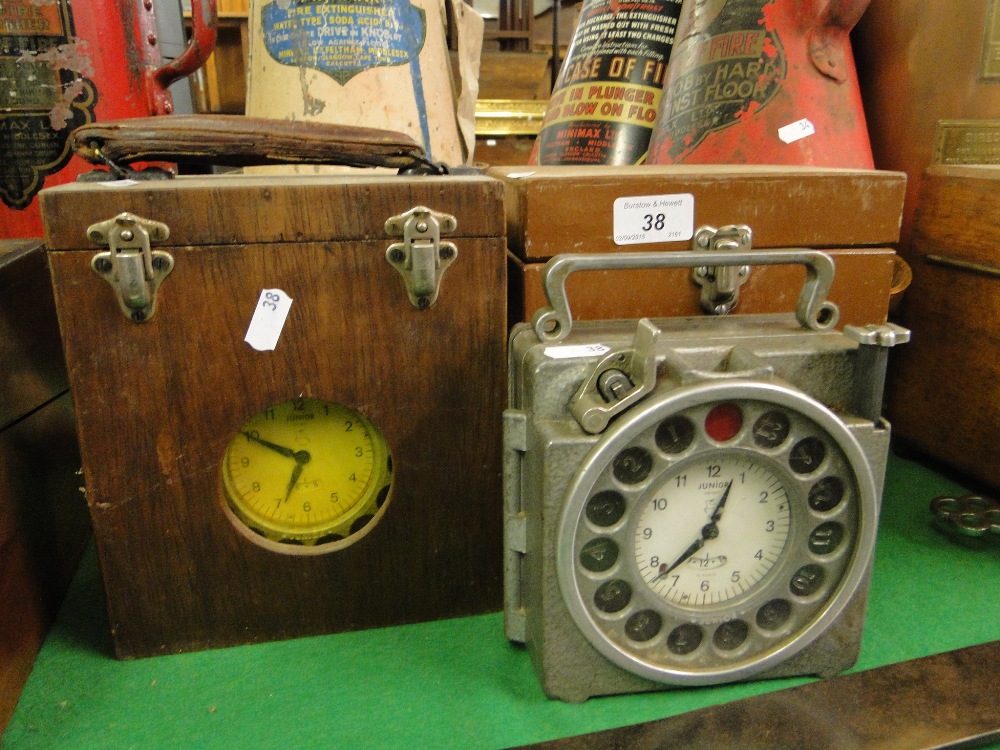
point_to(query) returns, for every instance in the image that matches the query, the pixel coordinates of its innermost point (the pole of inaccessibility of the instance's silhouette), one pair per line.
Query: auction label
(654, 218)
(605, 102)
(46, 94)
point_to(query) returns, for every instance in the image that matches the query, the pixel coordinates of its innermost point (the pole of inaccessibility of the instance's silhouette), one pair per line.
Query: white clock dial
(716, 531)
(712, 529)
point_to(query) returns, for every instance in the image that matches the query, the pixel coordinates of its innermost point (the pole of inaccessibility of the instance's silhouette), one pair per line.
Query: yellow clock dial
(307, 472)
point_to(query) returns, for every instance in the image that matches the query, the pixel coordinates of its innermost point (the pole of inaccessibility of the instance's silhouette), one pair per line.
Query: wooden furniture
(158, 401)
(944, 395)
(852, 214)
(43, 520)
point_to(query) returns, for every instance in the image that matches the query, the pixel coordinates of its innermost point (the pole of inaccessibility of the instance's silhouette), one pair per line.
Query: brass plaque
(989, 70)
(510, 116)
(967, 142)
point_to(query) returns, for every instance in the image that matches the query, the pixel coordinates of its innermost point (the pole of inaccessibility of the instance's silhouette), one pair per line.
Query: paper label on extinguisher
(654, 218)
(268, 320)
(796, 131)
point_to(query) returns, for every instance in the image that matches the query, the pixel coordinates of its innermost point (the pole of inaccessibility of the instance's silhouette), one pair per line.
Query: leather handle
(236, 141)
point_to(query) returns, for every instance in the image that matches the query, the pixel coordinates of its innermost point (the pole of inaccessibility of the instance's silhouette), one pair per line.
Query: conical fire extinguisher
(763, 82)
(605, 101)
(63, 65)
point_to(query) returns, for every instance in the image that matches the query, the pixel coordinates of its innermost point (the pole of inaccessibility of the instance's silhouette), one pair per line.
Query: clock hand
(720, 506)
(296, 473)
(288, 452)
(301, 459)
(708, 531)
(685, 556)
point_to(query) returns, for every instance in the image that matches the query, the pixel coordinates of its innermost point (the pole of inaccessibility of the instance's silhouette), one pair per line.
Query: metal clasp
(720, 285)
(622, 378)
(131, 267)
(421, 258)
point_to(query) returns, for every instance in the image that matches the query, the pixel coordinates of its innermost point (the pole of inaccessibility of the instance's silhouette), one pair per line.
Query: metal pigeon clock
(691, 501)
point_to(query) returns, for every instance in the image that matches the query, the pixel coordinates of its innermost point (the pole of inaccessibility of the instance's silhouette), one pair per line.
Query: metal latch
(421, 258)
(720, 285)
(133, 269)
(620, 379)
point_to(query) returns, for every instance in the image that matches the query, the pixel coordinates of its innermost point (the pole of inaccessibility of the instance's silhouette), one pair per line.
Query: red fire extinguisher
(66, 64)
(763, 82)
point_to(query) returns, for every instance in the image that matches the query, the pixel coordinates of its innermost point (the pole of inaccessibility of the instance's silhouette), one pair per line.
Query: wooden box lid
(243, 209)
(561, 209)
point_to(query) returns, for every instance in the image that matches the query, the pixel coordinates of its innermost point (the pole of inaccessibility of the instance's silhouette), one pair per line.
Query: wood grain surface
(158, 402)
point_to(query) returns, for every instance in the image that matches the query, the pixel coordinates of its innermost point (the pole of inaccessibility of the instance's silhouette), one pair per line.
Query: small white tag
(118, 183)
(571, 352)
(796, 131)
(654, 218)
(268, 320)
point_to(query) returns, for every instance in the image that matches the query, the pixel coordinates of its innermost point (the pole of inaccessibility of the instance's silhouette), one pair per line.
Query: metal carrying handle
(813, 311)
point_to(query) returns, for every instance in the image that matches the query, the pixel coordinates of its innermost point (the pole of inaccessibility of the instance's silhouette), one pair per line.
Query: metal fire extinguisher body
(605, 101)
(763, 82)
(64, 65)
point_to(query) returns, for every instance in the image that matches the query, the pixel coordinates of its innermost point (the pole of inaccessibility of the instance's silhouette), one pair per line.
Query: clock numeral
(713, 471)
(659, 503)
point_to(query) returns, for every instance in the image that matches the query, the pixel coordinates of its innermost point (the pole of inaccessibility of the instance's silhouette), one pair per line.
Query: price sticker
(796, 131)
(268, 320)
(654, 218)
(573, 352)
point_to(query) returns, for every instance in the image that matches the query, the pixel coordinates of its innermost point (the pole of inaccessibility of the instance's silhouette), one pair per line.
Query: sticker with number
(268, 320)
(654, 218)
(796, 131)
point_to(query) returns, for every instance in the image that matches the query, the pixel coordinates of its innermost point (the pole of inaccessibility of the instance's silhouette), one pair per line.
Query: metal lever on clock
(874, 342)
(619, 380)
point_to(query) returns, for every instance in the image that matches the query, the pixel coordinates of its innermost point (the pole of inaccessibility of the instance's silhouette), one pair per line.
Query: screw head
(396, 255)
(102, 265)
(127, 235)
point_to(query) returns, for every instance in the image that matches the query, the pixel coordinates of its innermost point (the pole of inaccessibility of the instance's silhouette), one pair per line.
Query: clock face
(307, 475)
(716, 531)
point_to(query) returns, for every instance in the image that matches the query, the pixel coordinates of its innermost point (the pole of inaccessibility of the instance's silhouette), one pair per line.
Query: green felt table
(455, 683)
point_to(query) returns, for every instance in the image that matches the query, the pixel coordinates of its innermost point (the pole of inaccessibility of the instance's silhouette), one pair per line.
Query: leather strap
(236, 141)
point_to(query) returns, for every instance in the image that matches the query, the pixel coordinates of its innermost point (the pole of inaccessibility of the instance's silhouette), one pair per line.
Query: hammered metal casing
(545, 446)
